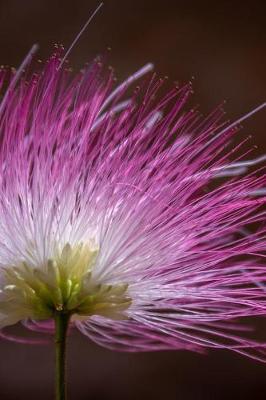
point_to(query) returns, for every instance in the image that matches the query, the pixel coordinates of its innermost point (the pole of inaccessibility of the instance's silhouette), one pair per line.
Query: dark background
(222, 44)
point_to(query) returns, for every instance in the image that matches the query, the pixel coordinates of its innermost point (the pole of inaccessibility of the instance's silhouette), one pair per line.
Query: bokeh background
(221, 44)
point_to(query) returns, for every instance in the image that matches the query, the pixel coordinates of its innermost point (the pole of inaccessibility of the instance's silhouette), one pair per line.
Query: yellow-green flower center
(64, 284)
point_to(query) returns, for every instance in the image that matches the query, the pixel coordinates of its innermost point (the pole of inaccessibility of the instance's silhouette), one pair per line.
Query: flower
(131, 215)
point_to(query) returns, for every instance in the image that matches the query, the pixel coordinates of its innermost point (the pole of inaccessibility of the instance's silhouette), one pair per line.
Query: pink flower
(132, 215)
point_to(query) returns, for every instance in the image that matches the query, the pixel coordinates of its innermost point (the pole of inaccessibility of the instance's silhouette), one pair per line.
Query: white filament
(79, 35)
(137, 75)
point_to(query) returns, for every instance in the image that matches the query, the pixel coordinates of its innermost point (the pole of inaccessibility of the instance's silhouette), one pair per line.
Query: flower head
(131, 215)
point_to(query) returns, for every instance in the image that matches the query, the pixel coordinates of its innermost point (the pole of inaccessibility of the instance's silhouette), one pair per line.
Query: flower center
(65, 284)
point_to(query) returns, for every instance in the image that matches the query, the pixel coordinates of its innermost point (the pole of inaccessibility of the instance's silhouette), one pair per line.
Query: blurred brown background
(222, 44)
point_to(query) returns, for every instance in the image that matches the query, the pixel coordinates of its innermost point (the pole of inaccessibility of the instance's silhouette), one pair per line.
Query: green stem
(61, 325)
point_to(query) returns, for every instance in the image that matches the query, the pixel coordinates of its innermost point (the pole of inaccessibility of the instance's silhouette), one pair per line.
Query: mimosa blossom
(131, 214)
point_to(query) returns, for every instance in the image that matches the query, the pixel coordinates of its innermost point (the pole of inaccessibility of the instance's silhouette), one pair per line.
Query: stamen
(79, 35)
(116, 109)
(18, 74)
(234, 124)
(247, 163)
(154, 119)
(137, 75)
(258, 192)
(230, 172)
